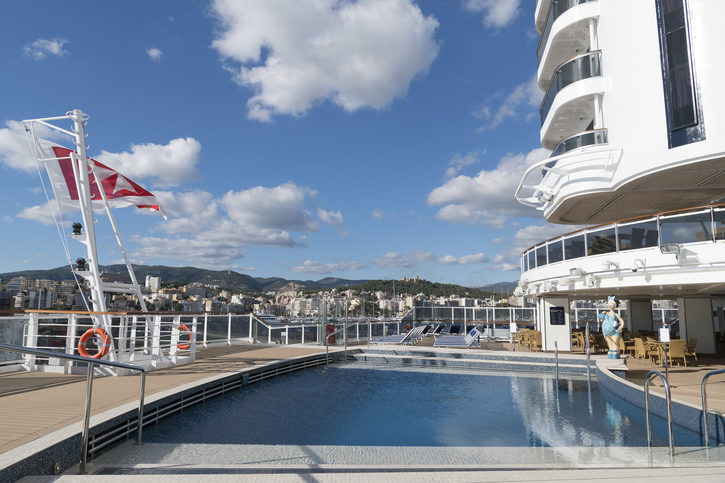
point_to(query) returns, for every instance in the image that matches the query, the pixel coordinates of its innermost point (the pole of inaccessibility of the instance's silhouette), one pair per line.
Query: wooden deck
(35, 404)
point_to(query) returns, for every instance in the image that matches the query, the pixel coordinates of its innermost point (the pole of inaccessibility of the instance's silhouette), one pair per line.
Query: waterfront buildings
(634, 113)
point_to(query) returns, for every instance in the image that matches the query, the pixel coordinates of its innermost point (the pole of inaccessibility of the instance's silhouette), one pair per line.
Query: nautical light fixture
(608, 264)
(670, 248)
(591, 280)
(81, 264)
(576, 272)
(77, 227)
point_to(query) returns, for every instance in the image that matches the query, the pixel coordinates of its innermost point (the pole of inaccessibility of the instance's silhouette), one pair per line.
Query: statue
(612, 327)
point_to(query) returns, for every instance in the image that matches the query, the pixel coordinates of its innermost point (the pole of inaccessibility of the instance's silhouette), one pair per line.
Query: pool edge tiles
(185, 456)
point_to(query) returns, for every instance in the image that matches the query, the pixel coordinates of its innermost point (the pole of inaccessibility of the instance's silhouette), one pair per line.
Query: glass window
(719, 225)
(686, 229)
(574, 247)
(532, 260)
(602, 241)
(555, 252)
(541, 255)
(637, 235)
(683, 113)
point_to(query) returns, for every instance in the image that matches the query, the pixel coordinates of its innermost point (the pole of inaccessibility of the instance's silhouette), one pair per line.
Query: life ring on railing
(407, 328)
(187, 331)
(103, 348)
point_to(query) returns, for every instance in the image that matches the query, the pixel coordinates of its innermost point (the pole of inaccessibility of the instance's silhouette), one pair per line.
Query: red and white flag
(120, 191)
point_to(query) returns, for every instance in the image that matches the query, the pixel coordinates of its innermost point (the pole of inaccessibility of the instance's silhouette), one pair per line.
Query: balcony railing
(581, 67)
(581, 140)
(556, 8)
(696, 225)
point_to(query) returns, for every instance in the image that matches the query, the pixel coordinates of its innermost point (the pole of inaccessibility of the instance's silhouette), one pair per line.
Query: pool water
(362, 406)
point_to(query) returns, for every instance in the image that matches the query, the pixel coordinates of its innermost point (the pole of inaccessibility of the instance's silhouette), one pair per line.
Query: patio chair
(677, 351)
(535, 341)
(692, 348)
(457, 340)
(455, 329)
(639, 349)
(655, 353)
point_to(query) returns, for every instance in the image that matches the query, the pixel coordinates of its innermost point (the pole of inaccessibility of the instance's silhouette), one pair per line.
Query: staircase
(468, 359)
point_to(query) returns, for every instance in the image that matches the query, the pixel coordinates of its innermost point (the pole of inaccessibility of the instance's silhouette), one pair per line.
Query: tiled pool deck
(37, 405)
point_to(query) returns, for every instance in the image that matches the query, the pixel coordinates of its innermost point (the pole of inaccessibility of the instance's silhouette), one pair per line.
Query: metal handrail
(704, 403)
(327, 343)
(669, 410)
(89, 388)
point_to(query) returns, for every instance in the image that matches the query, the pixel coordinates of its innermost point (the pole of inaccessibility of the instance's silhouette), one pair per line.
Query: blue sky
(301, 139)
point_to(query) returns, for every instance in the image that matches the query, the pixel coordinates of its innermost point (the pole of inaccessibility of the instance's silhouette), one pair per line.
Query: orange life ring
(188, 332)
(87, 335)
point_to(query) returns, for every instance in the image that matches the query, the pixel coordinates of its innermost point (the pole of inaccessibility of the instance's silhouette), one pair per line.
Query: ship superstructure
(634, 113)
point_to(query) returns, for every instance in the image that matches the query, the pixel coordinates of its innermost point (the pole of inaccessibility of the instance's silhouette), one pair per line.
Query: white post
(286, 336)
(32, 340)
(70, 341)
(156, 337)
(303, 333)
(174, 338)
(251, 339)
(269, 335)
(206, 323)
(132, 343)
(194, 324)
(229, 330)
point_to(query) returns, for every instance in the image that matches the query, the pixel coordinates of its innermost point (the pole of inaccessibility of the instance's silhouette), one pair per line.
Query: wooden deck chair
(639, 350)
(656, 354)
(535, 341)
(692, 348)
(677, 351)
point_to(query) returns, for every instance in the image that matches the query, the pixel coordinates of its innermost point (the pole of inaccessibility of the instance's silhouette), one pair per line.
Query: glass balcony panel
(638, 235)
(541, 256)
(603, 241)
(574, 247)
(582, 140)
(686, 229)
(555, 251)
(579, 68)
(556, 8)
(719, 218)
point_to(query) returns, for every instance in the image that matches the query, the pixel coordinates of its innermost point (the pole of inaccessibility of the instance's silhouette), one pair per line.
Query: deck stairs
(472, 359)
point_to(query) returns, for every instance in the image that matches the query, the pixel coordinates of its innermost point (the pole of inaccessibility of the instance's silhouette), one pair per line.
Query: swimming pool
(355, 405)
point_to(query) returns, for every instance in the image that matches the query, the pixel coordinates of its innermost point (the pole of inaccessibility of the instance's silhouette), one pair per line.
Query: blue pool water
(357, 405)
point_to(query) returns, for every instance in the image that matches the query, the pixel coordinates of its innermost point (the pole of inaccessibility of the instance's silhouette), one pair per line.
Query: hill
(413, 287)
(228, 279)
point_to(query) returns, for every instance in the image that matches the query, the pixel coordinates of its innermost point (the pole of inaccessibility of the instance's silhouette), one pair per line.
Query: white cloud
(297, 54)
(488, 197)
(201, 251)
(278, 207)
(458, 161)
(464, 260)
(41, 48)
(332, 218)
(166, 165)
(525, 238)
(377, 214)
(40, 213)
(154, 54)
(319, 268)
(15, 150)
(394, 259)
(496, 13)
(524, 97)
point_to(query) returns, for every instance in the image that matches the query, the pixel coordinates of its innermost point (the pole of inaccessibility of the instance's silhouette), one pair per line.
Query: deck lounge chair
(457, 340)
(692, 348)
(410, 337)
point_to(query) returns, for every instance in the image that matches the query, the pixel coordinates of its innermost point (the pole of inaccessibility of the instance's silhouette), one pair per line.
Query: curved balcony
(565, 35)
(581, 140)
(584, 66)
(634, 255)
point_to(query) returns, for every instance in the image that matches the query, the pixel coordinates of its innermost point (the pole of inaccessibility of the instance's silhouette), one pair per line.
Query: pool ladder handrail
(669, 410)
(703, 391)
(89, 388)
(327, 343)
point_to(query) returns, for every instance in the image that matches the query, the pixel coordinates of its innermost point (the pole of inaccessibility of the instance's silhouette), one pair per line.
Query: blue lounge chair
(410, 337)
(457, 340)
